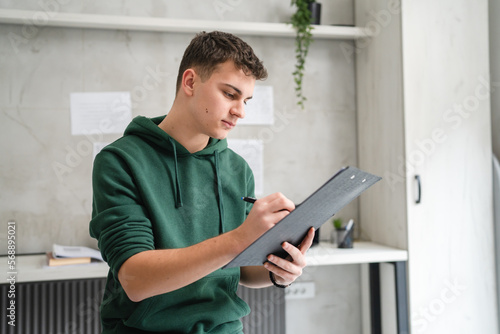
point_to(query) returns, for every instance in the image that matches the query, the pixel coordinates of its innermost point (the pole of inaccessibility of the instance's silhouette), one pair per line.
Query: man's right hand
(265, 213)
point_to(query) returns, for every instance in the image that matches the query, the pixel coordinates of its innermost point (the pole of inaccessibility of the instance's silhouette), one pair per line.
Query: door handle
(419, 190)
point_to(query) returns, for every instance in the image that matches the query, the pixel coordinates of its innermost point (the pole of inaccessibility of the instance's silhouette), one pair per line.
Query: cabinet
(424, 113)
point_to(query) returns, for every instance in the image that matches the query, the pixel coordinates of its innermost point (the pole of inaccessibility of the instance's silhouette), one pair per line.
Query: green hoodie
(149, 193)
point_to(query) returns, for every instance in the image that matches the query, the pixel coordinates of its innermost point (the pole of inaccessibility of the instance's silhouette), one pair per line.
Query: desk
(32, 268)
(326, 254)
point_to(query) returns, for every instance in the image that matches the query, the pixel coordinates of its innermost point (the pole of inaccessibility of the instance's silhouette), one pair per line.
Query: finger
(308, 240)
(296, 255)
(282, 276)
(293, 263)
(280, 262)
(278, 202)
(283, 268)
(281, 214)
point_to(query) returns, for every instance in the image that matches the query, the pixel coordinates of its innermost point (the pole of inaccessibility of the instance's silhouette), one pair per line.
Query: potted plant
(338, 223)
(302, 22)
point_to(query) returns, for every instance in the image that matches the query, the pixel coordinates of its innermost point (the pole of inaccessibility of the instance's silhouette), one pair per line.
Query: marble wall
(40, 70)
(40, 66)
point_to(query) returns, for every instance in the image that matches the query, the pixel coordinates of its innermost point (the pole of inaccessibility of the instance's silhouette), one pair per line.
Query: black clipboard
(343, 187)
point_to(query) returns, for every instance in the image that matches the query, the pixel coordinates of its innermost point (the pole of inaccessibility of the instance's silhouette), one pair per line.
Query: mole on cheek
(206, 110)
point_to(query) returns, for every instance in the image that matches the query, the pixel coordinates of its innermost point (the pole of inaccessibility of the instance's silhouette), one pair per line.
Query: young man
(167, 208)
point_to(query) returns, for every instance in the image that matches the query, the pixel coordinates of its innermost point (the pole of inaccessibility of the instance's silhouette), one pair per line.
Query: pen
(249, 199)
(347, 232)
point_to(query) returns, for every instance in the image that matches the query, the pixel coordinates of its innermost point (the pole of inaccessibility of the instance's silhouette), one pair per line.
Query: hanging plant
(301, 21)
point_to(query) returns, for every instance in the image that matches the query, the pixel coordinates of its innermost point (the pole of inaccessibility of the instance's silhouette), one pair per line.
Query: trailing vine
(301, 21)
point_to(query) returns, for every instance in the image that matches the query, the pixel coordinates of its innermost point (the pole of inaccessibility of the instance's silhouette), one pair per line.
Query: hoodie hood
(148, 130)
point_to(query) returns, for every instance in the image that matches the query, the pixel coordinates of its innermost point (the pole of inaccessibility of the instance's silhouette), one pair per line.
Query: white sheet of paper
(103, 112)
(98, 146)
(252, 151)
(75, 251)
(259, 110)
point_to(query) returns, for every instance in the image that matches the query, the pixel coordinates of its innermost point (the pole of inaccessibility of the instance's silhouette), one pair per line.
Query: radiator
(72, 307)
(59, 307)
(268, 310)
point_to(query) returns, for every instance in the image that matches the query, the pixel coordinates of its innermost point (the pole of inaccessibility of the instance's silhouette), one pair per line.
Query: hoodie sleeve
(119, 220)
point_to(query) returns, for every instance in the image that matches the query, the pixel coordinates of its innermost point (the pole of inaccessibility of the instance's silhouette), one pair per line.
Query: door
(448, 147)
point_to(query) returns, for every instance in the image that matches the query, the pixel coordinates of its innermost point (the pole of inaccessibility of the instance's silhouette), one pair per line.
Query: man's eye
(231, 96)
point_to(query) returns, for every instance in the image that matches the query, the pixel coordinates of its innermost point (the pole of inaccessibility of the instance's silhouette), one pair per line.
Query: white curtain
(496, 219)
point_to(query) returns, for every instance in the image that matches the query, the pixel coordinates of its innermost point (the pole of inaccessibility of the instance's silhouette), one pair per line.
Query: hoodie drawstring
(219, 191)
(178, 195)
(177, 190)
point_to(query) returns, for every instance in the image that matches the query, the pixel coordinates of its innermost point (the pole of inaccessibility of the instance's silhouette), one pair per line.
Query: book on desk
(71, 255)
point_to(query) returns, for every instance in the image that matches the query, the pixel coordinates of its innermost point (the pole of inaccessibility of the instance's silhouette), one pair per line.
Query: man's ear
(188, 79)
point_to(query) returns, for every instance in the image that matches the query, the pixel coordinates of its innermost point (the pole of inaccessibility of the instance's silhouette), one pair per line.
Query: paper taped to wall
(100, 113)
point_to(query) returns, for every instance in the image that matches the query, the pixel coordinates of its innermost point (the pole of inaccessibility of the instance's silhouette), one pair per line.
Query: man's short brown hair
(207, 50)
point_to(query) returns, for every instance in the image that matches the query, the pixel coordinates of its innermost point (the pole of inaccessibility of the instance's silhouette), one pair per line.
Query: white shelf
(94, 21)
(33, 268)
(326, 254)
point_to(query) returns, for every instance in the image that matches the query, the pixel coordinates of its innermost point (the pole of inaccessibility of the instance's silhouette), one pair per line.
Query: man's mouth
(229, 124)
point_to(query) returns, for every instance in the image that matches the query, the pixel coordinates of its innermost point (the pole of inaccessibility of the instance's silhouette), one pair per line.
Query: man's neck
(179, 129)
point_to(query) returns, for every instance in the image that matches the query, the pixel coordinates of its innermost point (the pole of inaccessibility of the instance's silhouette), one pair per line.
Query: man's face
(219, 101)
